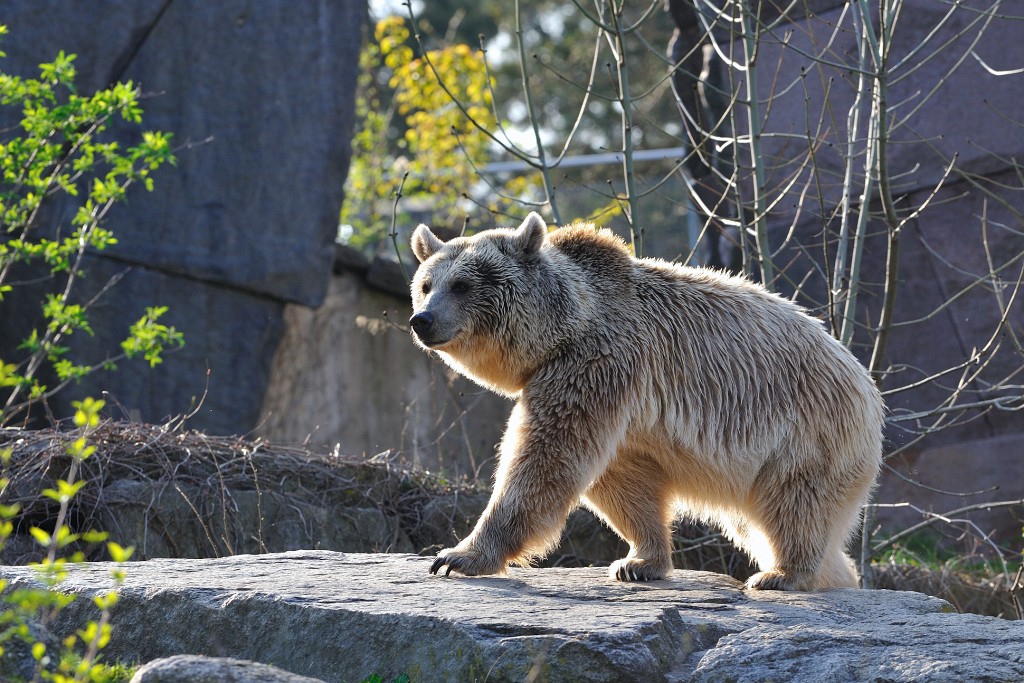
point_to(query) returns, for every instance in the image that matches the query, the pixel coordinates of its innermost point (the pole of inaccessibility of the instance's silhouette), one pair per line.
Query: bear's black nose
(421, 323)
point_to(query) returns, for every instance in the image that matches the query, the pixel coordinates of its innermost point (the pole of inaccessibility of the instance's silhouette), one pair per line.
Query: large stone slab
(345, 616)
(260, 97)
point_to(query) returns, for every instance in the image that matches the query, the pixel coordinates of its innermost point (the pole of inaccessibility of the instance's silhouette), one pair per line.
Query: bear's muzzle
(422, 325)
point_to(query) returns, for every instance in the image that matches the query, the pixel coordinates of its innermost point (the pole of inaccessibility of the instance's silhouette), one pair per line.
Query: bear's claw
(459, 564)
(775, 580)
(469, 562)
(636, 570)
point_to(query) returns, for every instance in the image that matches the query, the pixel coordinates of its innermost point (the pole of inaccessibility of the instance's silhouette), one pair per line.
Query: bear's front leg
(547, 459)
(467, 560)
(498, 540)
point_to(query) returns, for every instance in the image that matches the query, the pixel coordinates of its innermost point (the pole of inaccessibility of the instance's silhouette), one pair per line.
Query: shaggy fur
(643, 389)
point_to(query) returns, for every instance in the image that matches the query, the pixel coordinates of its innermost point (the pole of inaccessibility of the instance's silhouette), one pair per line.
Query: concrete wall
(348, 375)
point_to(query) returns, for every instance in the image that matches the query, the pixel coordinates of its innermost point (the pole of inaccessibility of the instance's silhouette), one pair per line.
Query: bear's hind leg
(631, 496)
(806, 518)
(837, 571)
(795, 558)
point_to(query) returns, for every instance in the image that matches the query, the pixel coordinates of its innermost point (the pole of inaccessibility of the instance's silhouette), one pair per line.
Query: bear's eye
(425, 287)
(460, 287)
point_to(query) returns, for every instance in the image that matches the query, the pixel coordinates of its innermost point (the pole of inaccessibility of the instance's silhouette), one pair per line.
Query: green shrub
(61, 149)
(24, 610)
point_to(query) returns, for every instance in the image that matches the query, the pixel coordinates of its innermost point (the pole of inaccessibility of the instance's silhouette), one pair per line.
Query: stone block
(347, 374)
(199, 669)
(220, 373)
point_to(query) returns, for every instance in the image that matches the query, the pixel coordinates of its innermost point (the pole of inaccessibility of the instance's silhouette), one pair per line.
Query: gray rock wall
(943, 253)
(972, 117)
(260, 97)
(971, 114)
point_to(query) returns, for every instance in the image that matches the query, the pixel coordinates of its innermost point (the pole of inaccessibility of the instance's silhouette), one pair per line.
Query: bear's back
(608, 266)
(652, 296)
(600, 254)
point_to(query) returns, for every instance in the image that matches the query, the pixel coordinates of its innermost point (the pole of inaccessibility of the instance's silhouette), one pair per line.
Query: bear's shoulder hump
(590, 246)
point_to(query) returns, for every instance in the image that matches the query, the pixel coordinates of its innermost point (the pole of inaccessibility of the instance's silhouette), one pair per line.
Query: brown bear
(645, 389)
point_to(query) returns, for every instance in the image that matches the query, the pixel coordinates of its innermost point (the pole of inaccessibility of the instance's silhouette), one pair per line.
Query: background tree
(555, 45)
(415, 136)
(814, 144)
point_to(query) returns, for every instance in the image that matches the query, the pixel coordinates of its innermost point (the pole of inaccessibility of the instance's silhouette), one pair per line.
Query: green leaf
(105, 602)
(65, 536)
(94, 536)
(87, 412)
(42, 538)
(64, 492)
(80, 449)
(119, 553)
(9, 376)
(30, 343)
(52, 494)
(69, 490)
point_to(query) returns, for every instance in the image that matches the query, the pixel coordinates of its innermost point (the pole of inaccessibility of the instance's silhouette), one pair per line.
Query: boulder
(262, 98)
(348, 616)
(199, 669)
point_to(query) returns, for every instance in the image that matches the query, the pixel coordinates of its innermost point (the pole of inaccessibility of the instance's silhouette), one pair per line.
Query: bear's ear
(425, 243)
(530, 235)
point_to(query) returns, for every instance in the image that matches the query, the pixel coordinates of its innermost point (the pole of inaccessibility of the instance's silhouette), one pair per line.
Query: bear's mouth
(431, 342)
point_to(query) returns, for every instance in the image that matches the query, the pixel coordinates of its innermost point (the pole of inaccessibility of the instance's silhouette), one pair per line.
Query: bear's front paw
(776, 580)
(468, 562)
(637, 570)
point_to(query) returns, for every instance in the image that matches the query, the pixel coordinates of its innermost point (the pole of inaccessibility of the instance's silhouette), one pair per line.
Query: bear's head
(487, 304)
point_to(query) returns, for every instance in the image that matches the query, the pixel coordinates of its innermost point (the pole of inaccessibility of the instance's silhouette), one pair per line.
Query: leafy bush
(27, 612)
(61, 154)
(58, 151)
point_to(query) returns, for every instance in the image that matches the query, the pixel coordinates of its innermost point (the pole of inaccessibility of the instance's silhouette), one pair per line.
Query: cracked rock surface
(341, 617)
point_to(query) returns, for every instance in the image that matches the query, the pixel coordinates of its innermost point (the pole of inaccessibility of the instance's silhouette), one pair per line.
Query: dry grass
(209, 478)
(177, 492)
(990, 594)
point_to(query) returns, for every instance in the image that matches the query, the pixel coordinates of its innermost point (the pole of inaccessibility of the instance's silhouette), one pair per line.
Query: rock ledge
(342, 617)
